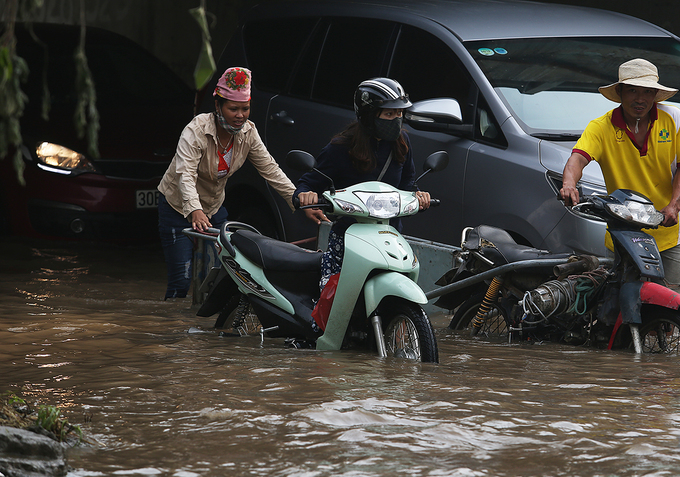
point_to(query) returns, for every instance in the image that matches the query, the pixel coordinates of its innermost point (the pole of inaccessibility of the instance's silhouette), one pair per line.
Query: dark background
(166, 28)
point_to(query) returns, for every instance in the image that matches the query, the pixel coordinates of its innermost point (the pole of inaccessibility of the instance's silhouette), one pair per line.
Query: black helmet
(375, 94)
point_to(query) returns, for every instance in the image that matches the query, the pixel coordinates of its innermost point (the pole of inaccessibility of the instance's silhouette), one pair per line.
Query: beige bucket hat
(638, 72)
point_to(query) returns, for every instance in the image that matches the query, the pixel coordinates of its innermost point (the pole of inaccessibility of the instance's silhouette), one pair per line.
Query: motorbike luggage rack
(211, 234)
(489, 274)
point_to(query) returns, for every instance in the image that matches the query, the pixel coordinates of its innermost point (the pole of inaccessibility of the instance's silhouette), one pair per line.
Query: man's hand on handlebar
(570, 195)
(670, 214)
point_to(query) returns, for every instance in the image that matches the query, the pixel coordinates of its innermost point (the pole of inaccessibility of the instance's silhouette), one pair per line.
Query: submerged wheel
(239, 316)
(661, 332)
(409, 334)
(495, 321)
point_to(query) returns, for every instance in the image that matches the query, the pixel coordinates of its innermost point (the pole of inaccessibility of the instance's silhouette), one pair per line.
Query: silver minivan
(523, 77)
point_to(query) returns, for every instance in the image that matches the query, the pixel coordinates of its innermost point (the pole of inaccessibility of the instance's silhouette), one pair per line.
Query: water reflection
(83, 327)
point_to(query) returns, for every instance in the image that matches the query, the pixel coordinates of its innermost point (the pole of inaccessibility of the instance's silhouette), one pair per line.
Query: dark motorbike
(503, 289)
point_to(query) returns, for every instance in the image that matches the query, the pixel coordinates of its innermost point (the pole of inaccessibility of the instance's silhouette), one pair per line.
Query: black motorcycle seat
(275, 255)
(498, 246)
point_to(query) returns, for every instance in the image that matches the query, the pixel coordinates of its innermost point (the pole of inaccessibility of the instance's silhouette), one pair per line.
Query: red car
(143, 107)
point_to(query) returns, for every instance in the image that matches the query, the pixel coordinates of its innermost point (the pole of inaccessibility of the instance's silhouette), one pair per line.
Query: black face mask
(388, 129)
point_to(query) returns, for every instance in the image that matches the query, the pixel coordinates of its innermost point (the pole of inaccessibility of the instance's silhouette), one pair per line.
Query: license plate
(147, 199)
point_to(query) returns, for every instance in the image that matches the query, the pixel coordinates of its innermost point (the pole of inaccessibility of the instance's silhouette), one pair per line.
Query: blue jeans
(178, 248)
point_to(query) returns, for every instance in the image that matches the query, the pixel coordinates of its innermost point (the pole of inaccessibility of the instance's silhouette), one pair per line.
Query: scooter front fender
(634, 294)
(655, 294)
(391, 284)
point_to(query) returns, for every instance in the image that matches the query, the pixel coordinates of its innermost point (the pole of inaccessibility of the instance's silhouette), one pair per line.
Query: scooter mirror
(300, 160)
(437, 161)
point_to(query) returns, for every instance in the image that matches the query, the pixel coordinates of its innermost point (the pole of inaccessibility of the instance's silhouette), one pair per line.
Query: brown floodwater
(158, 393)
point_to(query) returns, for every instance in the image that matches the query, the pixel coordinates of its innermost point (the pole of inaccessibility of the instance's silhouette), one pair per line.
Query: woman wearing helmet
(374, 147)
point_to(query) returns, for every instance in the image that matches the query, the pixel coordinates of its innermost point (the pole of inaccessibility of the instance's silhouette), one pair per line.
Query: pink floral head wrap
(234, 85)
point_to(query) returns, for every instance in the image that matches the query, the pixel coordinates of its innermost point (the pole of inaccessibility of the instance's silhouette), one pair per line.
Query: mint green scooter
(377, 303)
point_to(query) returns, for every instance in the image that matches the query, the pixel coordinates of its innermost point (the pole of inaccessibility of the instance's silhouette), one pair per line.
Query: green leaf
(205, 67)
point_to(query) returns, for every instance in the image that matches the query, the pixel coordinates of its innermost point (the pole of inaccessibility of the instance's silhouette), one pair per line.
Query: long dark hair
(358, 140)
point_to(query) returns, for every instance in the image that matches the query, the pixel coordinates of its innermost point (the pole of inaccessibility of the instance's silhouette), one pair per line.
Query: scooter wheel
(409, 333)
(660, 331)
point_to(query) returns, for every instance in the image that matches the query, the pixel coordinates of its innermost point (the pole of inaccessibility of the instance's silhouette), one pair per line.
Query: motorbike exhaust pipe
(585, 263)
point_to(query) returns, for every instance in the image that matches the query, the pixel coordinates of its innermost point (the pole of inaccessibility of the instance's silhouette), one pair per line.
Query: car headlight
(382, 205)
(59, 156)
(636, 212)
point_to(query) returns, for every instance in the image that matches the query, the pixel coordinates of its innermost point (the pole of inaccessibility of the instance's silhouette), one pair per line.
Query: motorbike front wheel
(409, 334)
(495, 322)
(661, 332)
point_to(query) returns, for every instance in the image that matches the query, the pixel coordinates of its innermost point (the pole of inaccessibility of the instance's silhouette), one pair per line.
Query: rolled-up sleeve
(188, 156)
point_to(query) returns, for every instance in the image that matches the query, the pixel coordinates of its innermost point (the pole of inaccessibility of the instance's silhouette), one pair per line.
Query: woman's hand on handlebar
(315, 215)
(423, 199)
(200, 221)
(308, 198)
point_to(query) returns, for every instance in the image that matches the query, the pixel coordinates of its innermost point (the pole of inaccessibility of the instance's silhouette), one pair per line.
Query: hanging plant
(14, 71)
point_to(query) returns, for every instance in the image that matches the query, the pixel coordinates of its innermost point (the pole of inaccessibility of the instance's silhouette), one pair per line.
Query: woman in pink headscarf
(211, 148)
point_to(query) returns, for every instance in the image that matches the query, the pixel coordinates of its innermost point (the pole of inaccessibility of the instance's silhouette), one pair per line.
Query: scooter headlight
(636, 212)
(412, 206)
(348, 207)
(382, 205)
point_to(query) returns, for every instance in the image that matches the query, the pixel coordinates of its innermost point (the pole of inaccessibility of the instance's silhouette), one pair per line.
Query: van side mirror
(437, 115)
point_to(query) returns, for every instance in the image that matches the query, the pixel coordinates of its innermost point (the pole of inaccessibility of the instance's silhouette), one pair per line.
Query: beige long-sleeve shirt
(191, 183)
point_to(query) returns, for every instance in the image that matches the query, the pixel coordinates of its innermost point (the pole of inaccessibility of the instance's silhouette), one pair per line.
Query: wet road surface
(83, 327)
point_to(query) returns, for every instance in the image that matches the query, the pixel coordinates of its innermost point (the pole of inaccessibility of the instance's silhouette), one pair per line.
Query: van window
(354, 50)
(272, 47)
(487, 129)
(301, 86)
(427, 68)
(551, 84)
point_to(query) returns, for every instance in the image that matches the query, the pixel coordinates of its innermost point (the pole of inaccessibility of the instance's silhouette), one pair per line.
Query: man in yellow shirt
(637, 146)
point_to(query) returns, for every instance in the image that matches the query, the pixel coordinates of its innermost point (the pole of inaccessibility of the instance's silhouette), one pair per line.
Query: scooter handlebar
(322, 204)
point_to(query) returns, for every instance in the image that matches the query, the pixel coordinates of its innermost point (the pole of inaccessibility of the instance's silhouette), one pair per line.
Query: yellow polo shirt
(648, 169)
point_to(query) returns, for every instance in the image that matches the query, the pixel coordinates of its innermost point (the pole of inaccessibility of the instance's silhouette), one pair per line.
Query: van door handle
(283, 118)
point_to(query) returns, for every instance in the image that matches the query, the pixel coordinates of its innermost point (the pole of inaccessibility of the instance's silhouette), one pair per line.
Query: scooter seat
(498, 246)
(275, 255)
